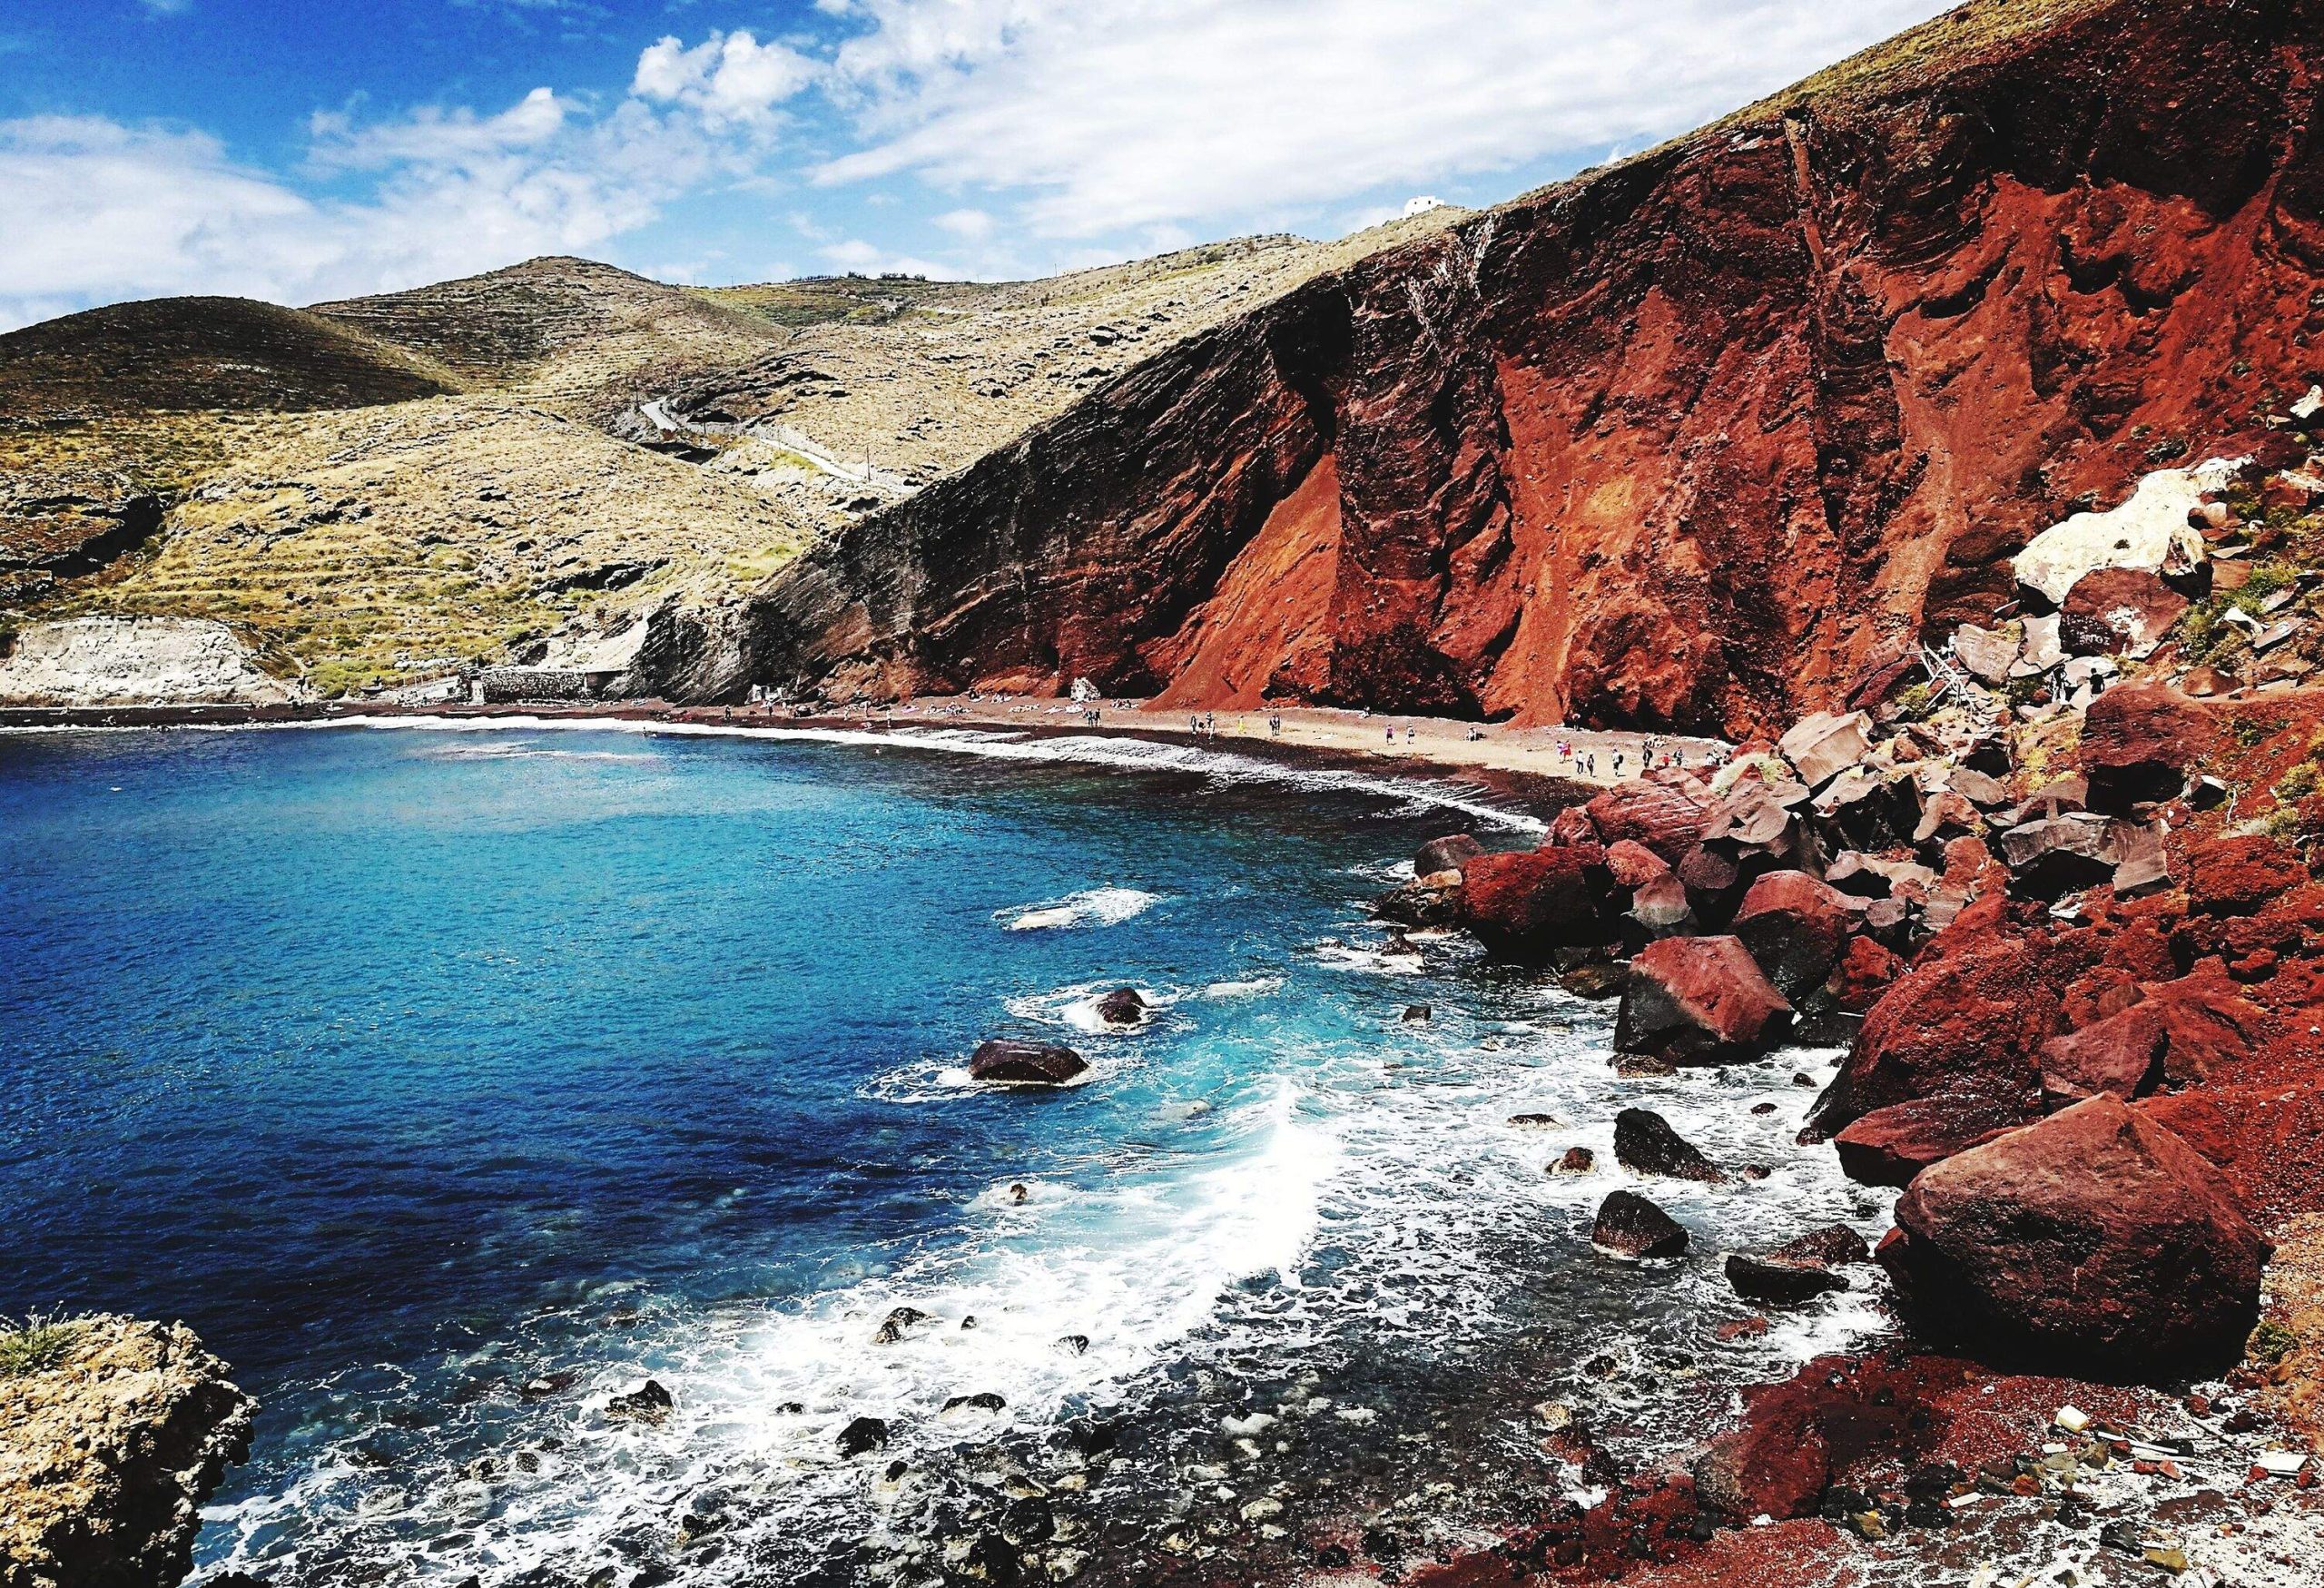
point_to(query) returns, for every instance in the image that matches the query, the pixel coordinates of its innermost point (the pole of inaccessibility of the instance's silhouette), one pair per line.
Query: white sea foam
(1077, 1007)
(1072, 1290)
(1089, 907)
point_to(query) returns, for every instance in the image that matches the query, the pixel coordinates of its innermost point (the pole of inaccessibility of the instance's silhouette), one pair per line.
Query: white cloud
(866, 260)
(975, 225)
(435, 135)
(727, 78)
(1121, 113)
(102, 210)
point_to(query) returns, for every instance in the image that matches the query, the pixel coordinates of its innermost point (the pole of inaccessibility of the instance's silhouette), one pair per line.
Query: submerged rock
(648, 1402)
(112, 1433)
(1779, 1281)
(1006, 1061)
(1628, 1225)
(2095, 1240)
(1122, 1007)
(1644, 1143)
(863, 1435)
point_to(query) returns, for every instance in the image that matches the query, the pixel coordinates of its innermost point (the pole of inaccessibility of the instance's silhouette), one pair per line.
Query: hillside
(1692, 441)
(923, 377)
(371, 532)
(184, 355)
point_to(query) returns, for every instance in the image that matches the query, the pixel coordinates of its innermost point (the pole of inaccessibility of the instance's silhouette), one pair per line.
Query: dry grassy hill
(373, 492)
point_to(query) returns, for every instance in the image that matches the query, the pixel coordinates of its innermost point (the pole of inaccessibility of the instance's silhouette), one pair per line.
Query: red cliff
(1693, 440)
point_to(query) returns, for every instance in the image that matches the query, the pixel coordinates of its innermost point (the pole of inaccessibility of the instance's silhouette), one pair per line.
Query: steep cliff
(1692, 441)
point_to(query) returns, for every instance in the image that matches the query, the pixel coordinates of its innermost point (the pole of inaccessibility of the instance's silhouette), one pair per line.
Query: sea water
(453, 1081)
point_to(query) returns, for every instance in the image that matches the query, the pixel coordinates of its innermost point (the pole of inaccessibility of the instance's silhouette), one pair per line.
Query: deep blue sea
(450, 1081)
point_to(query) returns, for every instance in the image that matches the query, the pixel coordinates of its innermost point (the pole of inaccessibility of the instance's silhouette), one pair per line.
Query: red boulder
(2141, 742)
(1700, 1000)
(2121, 1055)
(2095, 1241)
(1531, 903)
(1796, 927)
(1889, 1146)
(1965, 1022)
(1665, 811)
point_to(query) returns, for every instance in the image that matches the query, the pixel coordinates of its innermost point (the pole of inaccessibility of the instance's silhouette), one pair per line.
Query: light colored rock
(1825, 744)
(107, 1453)
(2150, 532)
(137, 661)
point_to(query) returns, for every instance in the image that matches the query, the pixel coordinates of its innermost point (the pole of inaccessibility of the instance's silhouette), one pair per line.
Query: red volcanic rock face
(1700, 1000)
(1699, 440)
(2096, 1240)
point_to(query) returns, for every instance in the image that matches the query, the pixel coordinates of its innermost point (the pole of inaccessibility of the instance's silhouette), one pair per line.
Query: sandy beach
(1579, 754)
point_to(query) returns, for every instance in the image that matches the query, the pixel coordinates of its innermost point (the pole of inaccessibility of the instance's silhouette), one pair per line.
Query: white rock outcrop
(137, 661)
(2149, 532)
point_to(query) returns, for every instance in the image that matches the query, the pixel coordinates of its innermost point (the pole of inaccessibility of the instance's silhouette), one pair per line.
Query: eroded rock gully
(1699, 440)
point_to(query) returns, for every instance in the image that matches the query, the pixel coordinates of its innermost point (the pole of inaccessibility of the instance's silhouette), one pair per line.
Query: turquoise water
(451, 1083)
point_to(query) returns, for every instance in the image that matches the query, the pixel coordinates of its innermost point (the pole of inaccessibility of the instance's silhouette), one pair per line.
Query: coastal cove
(451, 1080)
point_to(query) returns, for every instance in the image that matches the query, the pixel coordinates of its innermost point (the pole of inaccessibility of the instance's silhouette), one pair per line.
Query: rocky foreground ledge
(113, 1432)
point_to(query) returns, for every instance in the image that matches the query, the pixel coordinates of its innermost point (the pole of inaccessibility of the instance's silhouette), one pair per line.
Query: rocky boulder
(1645, 1144)
(1664, 811)
(1823, 745)
(2095, 1241)
(2121, 1055)
(1965, 1022)
(110, 1441)
(1628, 1225)
(1433, 900)
(1007, 1062)
(2141, 742)
(1448, 854)
(1796, 928)
(1531, 902)
(1700, 1000)
(1889, 1146)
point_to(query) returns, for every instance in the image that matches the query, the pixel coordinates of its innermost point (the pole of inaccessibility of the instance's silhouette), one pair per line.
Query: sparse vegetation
(36, 1344)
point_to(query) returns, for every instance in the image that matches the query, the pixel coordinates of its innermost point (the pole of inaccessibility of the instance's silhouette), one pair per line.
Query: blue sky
(298, 151)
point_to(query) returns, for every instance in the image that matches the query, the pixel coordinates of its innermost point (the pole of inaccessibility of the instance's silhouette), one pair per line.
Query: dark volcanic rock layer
(1692, 441)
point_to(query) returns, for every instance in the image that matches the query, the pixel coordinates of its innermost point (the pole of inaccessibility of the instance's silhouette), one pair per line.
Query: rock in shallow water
(1005, 1061)
(1644, 1143)
(1628, 1225)
(1122, 1007)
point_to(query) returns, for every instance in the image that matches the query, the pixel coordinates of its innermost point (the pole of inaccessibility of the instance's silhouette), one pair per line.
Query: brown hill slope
(181, 355)
(1689, 440)
(556, 326)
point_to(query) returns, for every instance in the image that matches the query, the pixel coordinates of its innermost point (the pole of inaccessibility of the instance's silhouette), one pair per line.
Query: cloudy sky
(298, 150)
